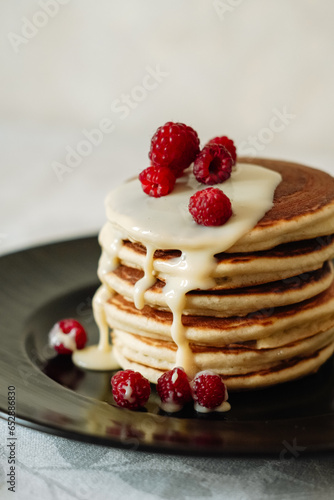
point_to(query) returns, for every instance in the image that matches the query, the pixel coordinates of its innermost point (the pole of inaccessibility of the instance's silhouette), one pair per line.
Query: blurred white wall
(260, 71)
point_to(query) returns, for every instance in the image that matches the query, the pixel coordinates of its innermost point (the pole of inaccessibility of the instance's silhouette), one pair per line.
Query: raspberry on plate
(213, 165)
(210, 207)
(209, 391)
(227, 143)
(174, 390)
(174, 145)
(157, 181)
(130, 389)
(67, 335)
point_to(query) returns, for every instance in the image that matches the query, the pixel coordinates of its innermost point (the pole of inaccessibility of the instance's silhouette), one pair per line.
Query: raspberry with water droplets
(210, 207)
(130, 389)
(174, 390)
(174, 145)
(157, 181)
(213, 165)
(227, 143)
(208, 390)
(67, 335)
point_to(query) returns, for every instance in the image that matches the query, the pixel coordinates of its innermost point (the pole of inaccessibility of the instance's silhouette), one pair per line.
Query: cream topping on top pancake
(166, 222)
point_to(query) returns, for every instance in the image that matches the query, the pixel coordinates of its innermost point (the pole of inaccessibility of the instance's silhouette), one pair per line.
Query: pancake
(283, 372)
(246, 269)
(303, 207)
(230, 302)
(265, 328)
(252, 300)
(235, 359)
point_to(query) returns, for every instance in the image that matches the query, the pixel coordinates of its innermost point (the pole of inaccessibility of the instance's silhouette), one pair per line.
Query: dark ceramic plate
(41, 285)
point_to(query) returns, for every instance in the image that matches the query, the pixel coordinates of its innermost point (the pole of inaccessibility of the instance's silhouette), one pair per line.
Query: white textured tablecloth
(50, 467)
(226, 67)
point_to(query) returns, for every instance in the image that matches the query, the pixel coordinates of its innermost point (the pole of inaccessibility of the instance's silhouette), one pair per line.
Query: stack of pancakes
(268, 319)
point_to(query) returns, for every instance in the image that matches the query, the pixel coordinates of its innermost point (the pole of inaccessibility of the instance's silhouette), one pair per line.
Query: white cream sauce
(225, 406)
(57, 337)
(165, 223)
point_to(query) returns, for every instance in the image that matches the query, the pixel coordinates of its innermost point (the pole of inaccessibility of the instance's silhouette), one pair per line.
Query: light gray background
(228, 68)
(224, 67)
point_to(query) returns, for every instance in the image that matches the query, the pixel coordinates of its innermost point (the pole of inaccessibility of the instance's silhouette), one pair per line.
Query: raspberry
(67, 336)
(130, 389)
(227, 143)
(157, 181)
(213, 165)
(174, 145)
(174, 390)
(208, 390)
(210, 207)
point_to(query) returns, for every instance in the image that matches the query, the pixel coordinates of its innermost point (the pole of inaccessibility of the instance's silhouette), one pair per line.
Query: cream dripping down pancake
(251, 300)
